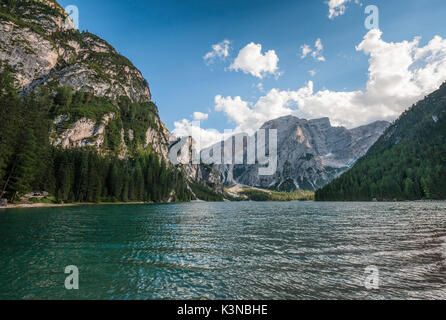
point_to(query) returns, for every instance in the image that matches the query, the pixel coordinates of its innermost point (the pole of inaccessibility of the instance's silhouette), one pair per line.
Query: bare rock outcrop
(310, 154)
(84, 132)
(39, 42)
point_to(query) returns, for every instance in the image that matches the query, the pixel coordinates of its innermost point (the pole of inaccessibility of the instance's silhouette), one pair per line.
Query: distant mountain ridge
(311, 153)
(408, 162)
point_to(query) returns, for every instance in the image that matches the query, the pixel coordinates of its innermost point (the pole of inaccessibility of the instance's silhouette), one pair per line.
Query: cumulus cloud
(316, 53)
(250, 116)
(306, 49)
(235, 109)
(400, 74)
(318, 45)
(199, 116)
(219, 51)
(338, 7)
(206, 137)
(250, 60)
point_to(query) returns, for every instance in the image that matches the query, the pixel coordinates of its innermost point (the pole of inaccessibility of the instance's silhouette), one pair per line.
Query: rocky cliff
(208, 175)
(310, 153)
(38, 40)
(39, 43)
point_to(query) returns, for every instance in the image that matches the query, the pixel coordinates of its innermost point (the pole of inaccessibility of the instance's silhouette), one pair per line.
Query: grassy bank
(255, 194)
(55, 205)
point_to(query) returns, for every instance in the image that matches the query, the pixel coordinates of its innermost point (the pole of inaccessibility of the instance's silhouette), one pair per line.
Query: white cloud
(250, 116)
(259, 86)
(316, 53)
(199, 116)
(338, 7)
(236, 109)
(219, 50)
(250, 60)
(306, 49)
(207, 137)
(400, 74)
(318, 45)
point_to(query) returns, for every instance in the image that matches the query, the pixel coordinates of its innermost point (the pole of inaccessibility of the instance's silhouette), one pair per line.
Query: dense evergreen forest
(29, 162)
(407, 163)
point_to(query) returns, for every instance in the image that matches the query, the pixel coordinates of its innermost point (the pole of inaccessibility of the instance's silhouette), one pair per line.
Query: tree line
(407, 163)
(29, 162)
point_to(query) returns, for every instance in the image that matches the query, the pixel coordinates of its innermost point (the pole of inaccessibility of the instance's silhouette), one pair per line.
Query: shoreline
(78, 204)
(57, 205)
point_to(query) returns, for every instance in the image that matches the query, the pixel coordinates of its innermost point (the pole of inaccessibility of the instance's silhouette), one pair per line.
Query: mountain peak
(321, 122)
(310, 154)
(293, 120)
(43, 50)
(41, 45)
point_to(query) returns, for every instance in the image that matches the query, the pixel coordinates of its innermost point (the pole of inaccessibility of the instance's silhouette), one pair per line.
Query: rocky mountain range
(39, 44)
(310, 153)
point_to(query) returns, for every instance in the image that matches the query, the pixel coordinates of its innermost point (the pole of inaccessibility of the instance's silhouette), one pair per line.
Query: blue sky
(168, 39)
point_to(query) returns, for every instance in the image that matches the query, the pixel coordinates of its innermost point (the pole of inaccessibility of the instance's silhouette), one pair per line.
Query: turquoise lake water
(239, 250)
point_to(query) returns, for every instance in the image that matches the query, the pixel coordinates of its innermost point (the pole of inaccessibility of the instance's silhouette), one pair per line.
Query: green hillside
(408, 162)
(29, 162)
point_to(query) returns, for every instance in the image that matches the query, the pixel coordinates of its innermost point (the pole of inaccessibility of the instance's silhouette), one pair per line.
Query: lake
(236, 250)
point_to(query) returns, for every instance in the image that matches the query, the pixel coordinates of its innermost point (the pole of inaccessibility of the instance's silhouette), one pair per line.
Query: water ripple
(226, 251)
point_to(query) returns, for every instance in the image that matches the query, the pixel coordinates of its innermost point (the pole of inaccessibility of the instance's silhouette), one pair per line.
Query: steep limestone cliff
(310, 154)
(39, 43)
(38, 40)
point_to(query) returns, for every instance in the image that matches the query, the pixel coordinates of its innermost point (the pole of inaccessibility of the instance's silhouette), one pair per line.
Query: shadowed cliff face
(311, 153)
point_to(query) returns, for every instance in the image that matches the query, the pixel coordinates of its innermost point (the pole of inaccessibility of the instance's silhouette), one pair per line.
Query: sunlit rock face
(83, 133)
(310, 153)
(39, 44)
